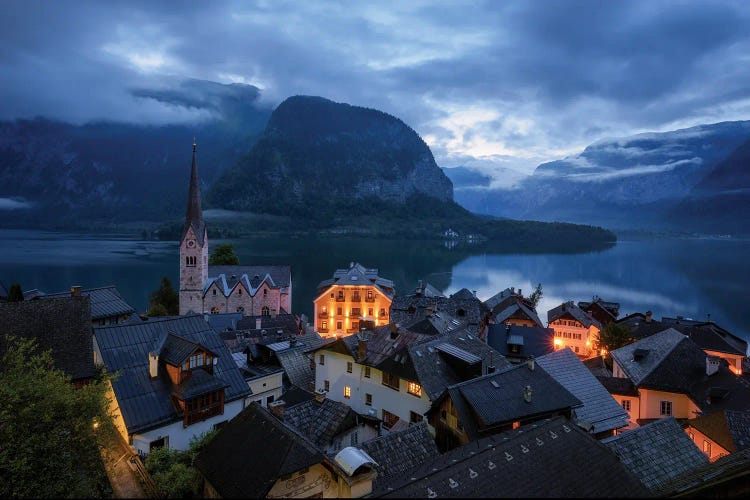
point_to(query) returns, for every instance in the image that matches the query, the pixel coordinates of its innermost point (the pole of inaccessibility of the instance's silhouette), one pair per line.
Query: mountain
(102, 173)
(317, 153)
(346, 169)
(475, 190)
(630, 182)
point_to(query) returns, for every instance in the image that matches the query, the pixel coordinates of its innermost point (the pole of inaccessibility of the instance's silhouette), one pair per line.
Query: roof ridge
(666, 354)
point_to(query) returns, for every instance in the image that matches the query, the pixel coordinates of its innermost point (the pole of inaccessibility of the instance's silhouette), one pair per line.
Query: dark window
(415, 417)
(265, 311)
(356, 311)
(389, 419)
(370, 312)
(269, 399)
(666, 408)
(338, 325)
(240, 291)
(321, 359)
(348, 367)
(159, 443)
(326, 385)
(368, 399)
(367, 372)
(339, 311)
(369, 294)
(460, 312)
(626, 404)
(214, 291)
(203, 407)
(390, 380)
(355, 325)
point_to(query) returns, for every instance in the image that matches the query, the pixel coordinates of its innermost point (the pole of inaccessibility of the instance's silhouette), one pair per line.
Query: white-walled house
(574, 328)
(396, 372)
(674, 377)
(175, 380)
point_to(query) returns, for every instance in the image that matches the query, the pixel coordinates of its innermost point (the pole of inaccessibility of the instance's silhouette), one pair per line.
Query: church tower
(193, 249)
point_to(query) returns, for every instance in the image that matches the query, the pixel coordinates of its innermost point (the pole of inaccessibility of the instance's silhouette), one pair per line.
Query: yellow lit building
(353, 296)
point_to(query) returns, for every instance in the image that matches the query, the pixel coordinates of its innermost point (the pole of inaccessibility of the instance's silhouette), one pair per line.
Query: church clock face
(191, 243)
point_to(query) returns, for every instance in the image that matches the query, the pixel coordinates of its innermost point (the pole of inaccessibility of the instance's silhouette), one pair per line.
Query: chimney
(531, 363)
(512, 290)
(362, 347)
(527, 394)
(277, 408)
(292, 341)
(520, 292)
(708, 317)
(257, 323)
(649, 315)
(394, 331)
(474, 292)
(75, 291)
(420, 287)
(491, 367)
(712, 365)
(351, 264)
(320, 395)
(507, 330)
(153, 365)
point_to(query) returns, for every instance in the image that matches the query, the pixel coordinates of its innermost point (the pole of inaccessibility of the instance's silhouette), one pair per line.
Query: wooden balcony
(323, 314)
(340, 298)
(370, 299)
(356, 298)
(323, 330)
(203, 413)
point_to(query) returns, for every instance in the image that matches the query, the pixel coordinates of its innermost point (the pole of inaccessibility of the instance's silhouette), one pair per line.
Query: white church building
(251, 290)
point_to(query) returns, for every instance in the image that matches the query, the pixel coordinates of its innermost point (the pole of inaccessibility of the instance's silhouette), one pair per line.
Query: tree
(164, 301)
(15, 294)
(173, 471)
(48, 428)
(536, 295)
(613, 336)
(224, 256)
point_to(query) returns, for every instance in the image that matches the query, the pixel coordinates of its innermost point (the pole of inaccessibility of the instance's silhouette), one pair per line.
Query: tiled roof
(296, 366)
(497, 300)
(536, 341)
(449, 359)
(281, 276)
(493, 400)
(295, 395)
(657, 348)
(223, 322)
(62, 325)
(619, 385)
(176, 349)
(657, 452)
(463, 293)
(320, 422)
(730, 429)
(469, 310)
(106, 301)
(597, 366)
(357, 274)
(599, 409)
(198, 383)
(251, 452)
(713, 479)
(543, 459)
(575, 312)
(146, 403)
(397, 452)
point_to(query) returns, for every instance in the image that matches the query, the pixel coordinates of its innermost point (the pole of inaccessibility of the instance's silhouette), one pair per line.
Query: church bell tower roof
(194, 214)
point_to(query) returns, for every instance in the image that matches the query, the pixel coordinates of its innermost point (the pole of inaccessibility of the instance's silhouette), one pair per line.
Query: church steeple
(194, 214)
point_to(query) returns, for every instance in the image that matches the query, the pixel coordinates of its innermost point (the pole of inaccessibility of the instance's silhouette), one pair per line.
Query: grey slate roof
(223, 322)
(657, 452)
(62, 325)
(320, 422)
(542, 459)
(397, 452)
(177, 349)
(494, 400)
(597, 366)
(251, 277)
(573, 311)
(200, 382)
(251, 452)
(146, 403)
(518, 308)
(407, 309)
(713, 479)
(536, 341)
(730, 429)
(357, 274)
(106, 301)
(674, 363)
(599, 408)
(619, 385)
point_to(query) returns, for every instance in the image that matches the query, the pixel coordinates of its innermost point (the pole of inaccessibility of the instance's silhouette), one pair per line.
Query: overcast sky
(484, 83)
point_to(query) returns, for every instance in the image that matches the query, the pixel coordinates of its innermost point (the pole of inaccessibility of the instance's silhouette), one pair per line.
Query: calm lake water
(688, 277)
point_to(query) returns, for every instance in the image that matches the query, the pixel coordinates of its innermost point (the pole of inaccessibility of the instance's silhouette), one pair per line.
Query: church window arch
(215, 310)
(214, 291)
(265, 292)
(265, 311)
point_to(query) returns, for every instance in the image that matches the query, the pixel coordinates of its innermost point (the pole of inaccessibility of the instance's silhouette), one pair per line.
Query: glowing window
(414, 389)
(347, 392)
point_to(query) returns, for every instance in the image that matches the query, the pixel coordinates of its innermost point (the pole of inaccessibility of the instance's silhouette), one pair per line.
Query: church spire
(194, 214)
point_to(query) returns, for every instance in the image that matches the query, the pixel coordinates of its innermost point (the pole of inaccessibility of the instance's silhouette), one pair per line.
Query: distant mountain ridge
(76, 175)
(632, 182)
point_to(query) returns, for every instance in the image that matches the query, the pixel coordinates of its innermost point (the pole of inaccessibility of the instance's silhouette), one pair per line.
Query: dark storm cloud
(510, 83)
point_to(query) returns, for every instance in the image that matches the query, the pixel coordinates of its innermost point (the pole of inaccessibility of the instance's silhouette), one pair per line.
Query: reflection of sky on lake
(671, 277)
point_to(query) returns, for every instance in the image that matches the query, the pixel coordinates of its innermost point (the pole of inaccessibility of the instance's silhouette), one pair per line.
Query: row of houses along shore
(421, 394)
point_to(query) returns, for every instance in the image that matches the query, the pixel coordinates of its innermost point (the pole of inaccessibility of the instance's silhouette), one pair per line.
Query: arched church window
(240, 291)
(214, 310)
(265, 311)
(265, 292)
(214, 291)
(240, 309)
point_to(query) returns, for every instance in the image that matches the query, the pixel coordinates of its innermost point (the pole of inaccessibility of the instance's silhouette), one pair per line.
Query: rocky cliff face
(319, 153)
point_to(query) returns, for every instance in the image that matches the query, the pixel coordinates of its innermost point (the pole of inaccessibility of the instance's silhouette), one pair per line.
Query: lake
(688, 277)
